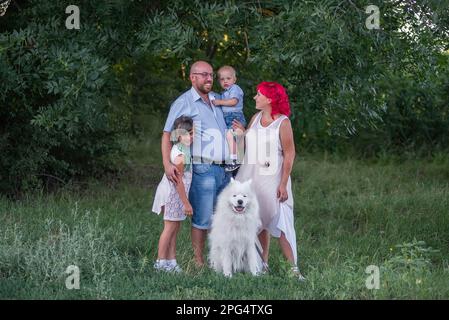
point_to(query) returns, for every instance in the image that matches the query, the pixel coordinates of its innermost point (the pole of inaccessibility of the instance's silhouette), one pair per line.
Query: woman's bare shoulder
(253, 118)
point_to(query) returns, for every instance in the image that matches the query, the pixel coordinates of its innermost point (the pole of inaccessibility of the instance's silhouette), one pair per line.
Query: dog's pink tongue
(239, 209)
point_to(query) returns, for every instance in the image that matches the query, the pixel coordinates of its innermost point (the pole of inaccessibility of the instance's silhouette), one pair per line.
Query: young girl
(172, 199)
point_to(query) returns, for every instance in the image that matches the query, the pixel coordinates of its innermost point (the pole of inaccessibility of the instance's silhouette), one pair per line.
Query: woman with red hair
(269, 156)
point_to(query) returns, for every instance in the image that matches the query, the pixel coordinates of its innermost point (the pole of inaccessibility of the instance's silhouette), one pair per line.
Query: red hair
(278, 96)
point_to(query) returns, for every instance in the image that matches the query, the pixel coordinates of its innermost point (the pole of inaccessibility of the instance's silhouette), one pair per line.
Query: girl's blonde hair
(227, 68)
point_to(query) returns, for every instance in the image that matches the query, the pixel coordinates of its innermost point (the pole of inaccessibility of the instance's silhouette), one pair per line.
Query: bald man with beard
(209, 151)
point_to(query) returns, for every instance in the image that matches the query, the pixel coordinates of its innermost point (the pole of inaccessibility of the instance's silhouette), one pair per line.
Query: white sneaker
(159, 265)
(173, 268)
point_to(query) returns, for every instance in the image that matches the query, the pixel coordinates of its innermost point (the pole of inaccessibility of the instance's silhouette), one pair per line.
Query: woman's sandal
(297, 273)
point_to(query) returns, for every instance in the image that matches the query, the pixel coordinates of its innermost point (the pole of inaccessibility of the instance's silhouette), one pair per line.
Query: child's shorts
(229, 116)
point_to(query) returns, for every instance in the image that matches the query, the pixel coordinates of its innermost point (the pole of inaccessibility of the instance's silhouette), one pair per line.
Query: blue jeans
(229, 116)
(208, 180)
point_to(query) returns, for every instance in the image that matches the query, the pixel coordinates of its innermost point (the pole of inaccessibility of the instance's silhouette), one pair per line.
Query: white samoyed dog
(233, 235)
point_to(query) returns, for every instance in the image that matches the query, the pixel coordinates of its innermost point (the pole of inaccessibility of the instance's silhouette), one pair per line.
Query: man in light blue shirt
(209, 123)
(209, 151)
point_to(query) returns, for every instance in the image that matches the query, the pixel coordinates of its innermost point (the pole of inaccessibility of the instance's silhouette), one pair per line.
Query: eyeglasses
(205, 74)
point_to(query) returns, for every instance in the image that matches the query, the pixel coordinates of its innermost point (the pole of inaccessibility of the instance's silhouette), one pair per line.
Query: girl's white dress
(263, 164)
(166, 194)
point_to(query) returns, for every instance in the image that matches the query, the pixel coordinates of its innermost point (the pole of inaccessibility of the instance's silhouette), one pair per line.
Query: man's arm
(179, 162)
(170, 170)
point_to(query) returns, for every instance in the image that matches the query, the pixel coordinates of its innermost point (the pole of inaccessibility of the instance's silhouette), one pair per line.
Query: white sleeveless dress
(263, 164)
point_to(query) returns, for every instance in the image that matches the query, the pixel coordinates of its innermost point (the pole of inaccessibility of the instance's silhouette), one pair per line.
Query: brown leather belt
(197, 160)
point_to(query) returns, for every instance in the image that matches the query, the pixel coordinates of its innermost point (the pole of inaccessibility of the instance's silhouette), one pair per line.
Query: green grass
(349, 214)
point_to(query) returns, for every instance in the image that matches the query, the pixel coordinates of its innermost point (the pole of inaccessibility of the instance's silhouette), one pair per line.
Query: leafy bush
(58, 120)
(344, 80)
(69, 96)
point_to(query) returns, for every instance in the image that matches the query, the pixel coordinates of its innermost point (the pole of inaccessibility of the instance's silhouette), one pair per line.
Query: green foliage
(149, 84)
(191, 30)
(413, 256)
(55, 112)
(340, 73)
(181, 32)
(69, 96)
(56, 88)
(341, 76)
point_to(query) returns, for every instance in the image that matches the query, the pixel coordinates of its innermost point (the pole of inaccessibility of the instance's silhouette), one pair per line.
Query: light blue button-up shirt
(233, 91)
(209, 141)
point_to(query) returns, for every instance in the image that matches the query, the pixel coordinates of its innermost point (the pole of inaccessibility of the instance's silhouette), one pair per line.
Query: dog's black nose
(240, 202)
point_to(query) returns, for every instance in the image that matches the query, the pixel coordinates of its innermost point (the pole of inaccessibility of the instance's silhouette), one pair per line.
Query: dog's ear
(232, 180)
(248, 182)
